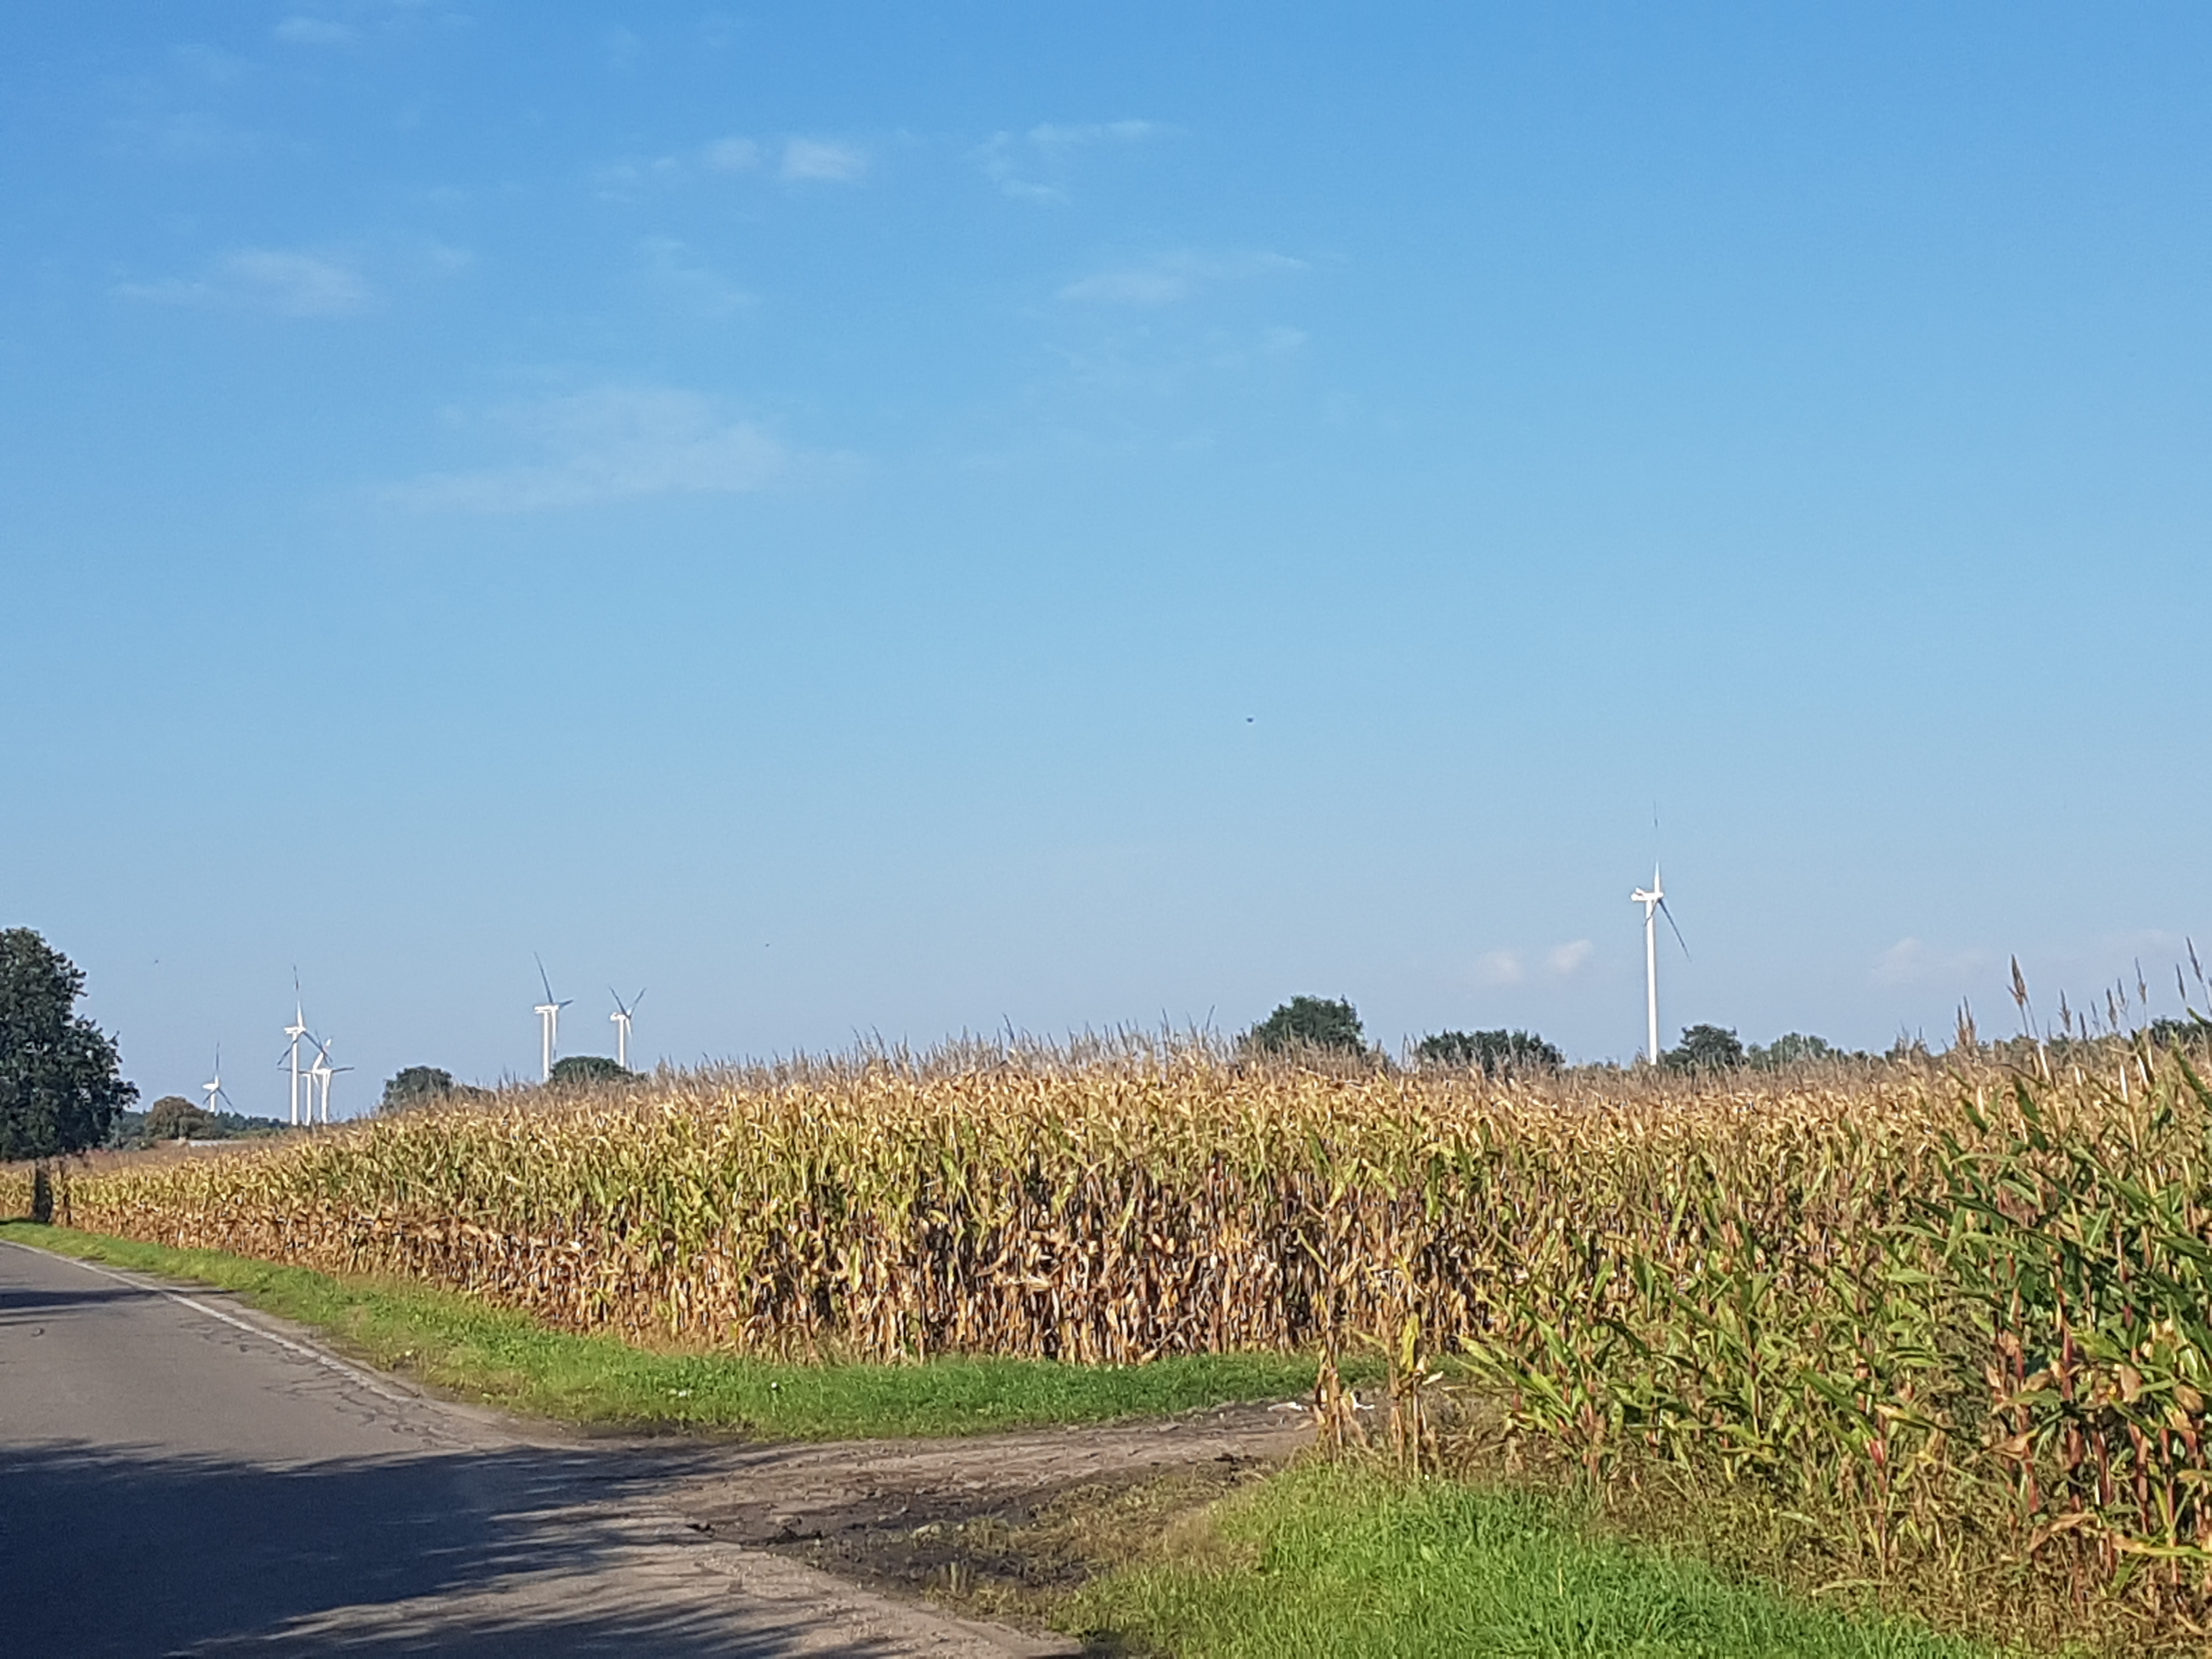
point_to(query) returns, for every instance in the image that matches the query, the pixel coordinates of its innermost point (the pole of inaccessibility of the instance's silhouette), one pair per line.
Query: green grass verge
(1325, 1561)
(461, 1346)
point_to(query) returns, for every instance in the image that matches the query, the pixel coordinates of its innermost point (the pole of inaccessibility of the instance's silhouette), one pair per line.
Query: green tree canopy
(588, 1068)
(2193, 1032)
(1310, 1023)
(1793, 1048)
(415, 1085)
(1705, 1049)
(172, 1117)
(1500, 1054)
(61, 1083)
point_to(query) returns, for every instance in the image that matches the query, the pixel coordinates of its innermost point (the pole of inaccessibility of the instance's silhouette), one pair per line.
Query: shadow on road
(19, 1304)
(520, 1551)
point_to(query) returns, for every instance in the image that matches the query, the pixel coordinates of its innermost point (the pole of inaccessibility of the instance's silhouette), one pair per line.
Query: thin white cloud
(188, 136)
(1500, 967)
(624, 181)
(287, 281)
(1230, 351)
(1002, 166)
(1168, 278)
(731, 156)
(1048, 135)
(815, 160)
(613, 444)
(796, 161)
(689, 285)
(211, 64)
(1570, 958)
(1910, 962)
(299, 31)
(1014, 161)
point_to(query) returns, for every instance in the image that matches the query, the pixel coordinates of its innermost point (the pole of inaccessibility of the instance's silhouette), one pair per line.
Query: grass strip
(458, 1345)
(1328, 1560)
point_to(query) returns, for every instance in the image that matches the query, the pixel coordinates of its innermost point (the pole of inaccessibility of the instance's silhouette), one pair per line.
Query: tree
(415, 1085)
(1704, 1048)
(1500, 1054)
(61, 1083)
(587, 1068)
(172, 1117)
(1792, 1048)
(2176, 1033)
(1310, 1023)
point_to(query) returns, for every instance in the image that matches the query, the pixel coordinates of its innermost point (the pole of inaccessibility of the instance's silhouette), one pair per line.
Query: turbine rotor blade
(1671, 922)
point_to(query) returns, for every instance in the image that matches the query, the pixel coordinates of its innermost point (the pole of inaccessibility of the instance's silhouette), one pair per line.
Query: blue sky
(907, 519)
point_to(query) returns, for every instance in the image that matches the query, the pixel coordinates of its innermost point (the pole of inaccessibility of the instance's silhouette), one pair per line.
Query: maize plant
(1928, 1300)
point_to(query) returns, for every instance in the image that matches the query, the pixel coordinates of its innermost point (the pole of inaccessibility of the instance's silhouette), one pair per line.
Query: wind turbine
(1654, 901)
(549, 1022)
(295, 1030)
(621, 1017)
(213, 1086)
(319, 1075)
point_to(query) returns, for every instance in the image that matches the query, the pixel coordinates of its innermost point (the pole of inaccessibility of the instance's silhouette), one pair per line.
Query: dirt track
(914, 1514)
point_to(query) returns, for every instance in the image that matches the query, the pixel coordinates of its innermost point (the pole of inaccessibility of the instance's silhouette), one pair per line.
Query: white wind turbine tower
(295, 1030)
(319, 1077)
(622, 1016)
(549, 1022)
(1654, 901)
(213, 1087)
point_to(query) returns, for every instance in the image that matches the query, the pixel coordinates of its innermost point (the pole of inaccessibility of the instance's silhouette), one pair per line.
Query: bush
(1310, 1023)
(1499, 1053)
(587, 1068)
(1705, 1049)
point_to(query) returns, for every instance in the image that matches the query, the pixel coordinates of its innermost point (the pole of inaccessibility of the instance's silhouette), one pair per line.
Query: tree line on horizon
(1332, 1025)
(62, 1089)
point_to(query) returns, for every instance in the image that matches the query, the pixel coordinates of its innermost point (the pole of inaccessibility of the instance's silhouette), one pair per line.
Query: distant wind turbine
(1654, 901)
(549, 1022)
(319, 1076)
(622, 1016)
(295, 1030)
(213, 1086)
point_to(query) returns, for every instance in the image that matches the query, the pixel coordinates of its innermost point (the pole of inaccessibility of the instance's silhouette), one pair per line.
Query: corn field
(1937, 1302)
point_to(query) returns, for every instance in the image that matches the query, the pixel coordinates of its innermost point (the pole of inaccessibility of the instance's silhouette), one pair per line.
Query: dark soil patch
(998, 1526)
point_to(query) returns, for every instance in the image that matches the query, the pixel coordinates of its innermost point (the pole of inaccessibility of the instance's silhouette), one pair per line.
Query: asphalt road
(178, 1475)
